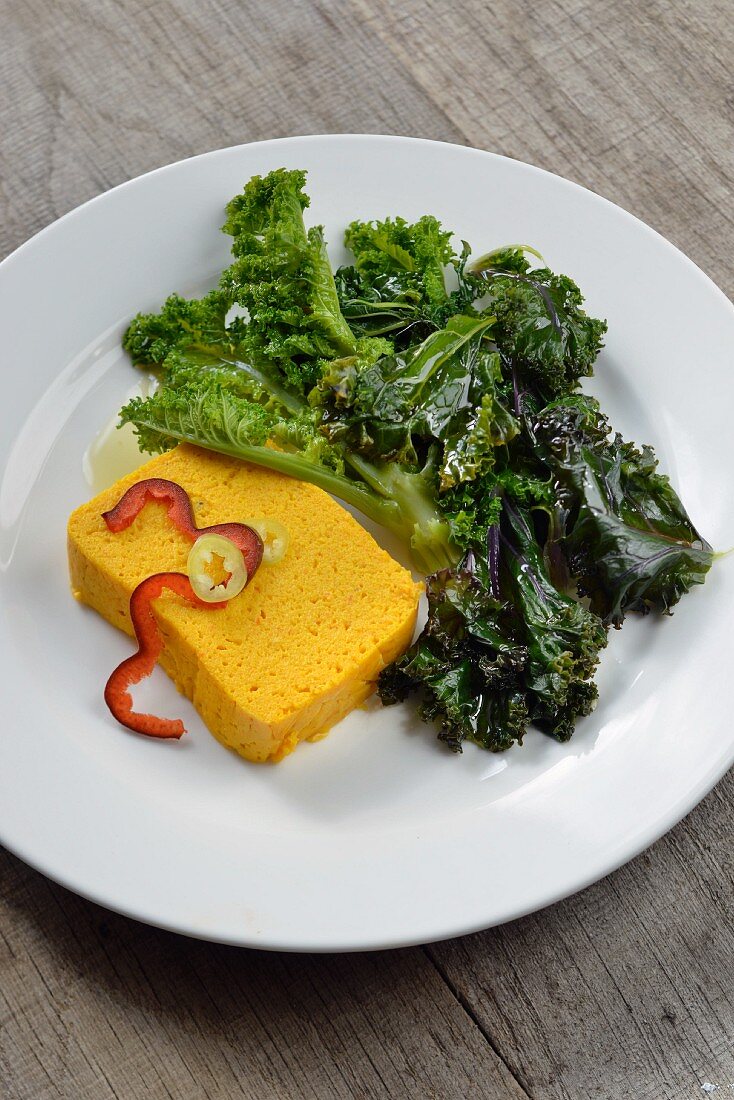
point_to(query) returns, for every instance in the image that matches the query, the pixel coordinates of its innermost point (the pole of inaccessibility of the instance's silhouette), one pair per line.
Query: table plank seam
(476, 1020)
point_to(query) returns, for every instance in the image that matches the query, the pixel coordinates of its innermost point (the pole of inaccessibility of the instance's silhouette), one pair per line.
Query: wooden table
(626, 990)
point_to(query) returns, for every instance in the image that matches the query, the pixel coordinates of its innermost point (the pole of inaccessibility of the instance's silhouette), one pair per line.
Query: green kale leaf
(397, 285)
(563, 639)
(628, 539)
(466, 664)
(540, 326)
(445, 390)
(282, 277)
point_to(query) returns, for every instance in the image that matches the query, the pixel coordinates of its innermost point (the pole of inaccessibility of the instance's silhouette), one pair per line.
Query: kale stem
(516, 392)
(383, 511)
(493, 542)
(368, 472)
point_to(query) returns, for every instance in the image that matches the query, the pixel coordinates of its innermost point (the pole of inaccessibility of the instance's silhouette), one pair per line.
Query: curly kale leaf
(189, 341)
(396, 286)
(282, 277)
(502, 646)
(395, 247)
(540, 326)
(213, 411)
(467, 665)
(629, 540)
(212, 416)
(382, 305)
(195, 322)
(471, 508)
(563, 638)
(472, 437)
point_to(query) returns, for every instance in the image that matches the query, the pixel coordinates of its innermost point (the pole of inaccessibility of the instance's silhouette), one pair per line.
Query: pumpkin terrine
(300, 647)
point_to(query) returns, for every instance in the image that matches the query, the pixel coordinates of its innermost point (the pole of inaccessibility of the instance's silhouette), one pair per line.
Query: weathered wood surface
(625, 990)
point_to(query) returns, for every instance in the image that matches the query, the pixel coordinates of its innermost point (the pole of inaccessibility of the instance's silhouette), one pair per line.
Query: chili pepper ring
(181, 514)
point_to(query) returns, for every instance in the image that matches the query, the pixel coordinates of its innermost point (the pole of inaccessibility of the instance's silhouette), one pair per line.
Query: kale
(150, 338)
(562, 637)
(502, 646)
(441, 399)
(444, 390)
(628, 539)
(540, 327)
(397, 284)
(282, 277)
(467, 665)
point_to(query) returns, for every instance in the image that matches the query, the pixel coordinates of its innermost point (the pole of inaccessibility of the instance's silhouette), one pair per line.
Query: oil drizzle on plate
(114, 451)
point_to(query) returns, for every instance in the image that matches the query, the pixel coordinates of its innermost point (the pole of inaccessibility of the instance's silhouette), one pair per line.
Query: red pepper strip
(141, 664)
(181, 514)
(154, 488)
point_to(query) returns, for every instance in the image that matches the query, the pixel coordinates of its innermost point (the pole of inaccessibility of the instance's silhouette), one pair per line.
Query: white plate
(377, 836)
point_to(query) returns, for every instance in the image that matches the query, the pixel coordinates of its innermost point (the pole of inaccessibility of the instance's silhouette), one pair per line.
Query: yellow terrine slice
(300, 646)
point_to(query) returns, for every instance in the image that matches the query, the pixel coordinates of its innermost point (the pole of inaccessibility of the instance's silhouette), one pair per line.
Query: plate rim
(626, 852)
(365, 137)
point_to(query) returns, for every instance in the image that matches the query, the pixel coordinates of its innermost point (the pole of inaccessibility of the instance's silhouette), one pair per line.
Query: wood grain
(99, 92)
(632, 100)
(95, 1005)
(626, 989)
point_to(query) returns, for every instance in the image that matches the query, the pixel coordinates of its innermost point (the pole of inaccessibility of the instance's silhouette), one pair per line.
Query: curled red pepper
(141, 664)
(181, 514)
(150, 643)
